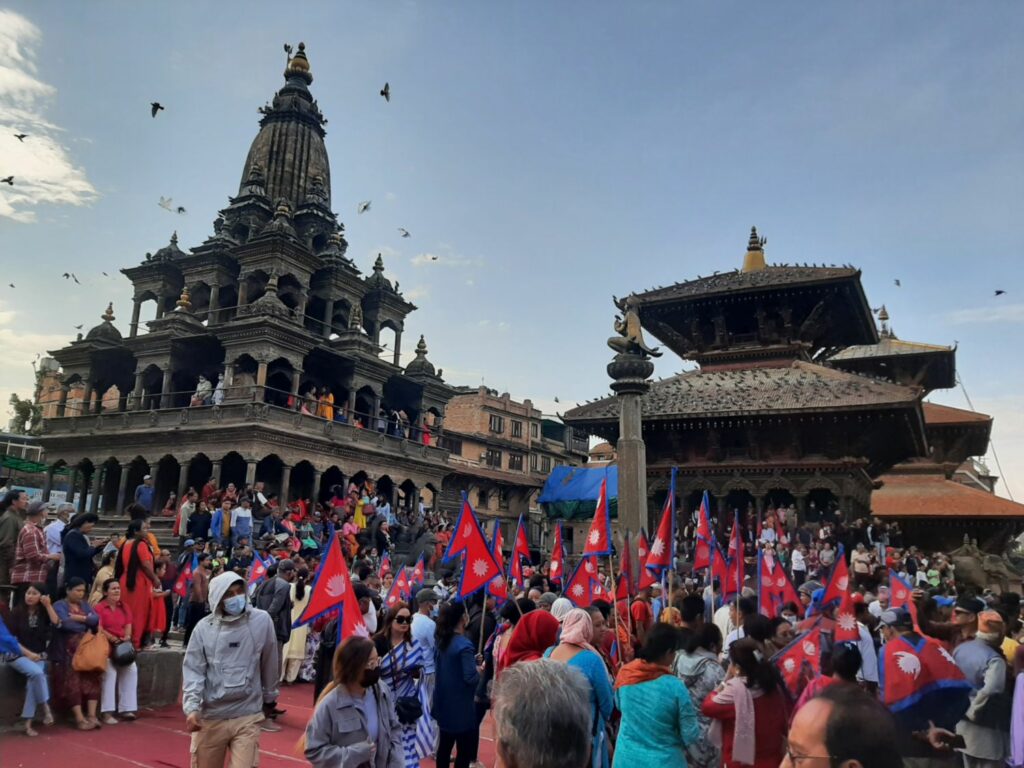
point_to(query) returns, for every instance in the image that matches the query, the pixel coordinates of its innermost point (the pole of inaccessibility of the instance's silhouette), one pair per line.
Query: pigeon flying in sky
(999, 292)
(154, 107)
(79, 327)
(21, 136)
(386, 92)
(9, 180)
(364, 206)
(166, 203)
(897, 283)
(181, 209)
(404, 232)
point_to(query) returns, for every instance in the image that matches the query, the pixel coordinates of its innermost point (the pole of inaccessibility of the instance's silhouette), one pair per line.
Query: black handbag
(408, 709)
(123, 654)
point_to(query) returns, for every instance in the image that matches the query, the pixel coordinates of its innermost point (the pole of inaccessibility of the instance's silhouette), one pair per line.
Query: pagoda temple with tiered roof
(798, 398)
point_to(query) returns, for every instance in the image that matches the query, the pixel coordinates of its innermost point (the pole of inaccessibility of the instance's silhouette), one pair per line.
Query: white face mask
(233, 606)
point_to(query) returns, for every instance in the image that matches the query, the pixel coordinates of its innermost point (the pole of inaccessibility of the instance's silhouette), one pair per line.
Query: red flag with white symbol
(557, 565)
(478, 566)
(705, 537)
(181, 585)
(521, 550)
(642, 547)
(332, 590)
(498, 588)
(599, 537)
(722, 570)
(258, 570)
(799, 657)
(846, 629)
(662, 545)
(839, 582)
(419, 574)
(580, 586)
(385, 565)
(622, 590)
(400, 591)
(901, 596)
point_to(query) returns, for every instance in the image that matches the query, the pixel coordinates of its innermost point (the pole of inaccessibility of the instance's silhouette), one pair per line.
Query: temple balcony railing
(255, 411)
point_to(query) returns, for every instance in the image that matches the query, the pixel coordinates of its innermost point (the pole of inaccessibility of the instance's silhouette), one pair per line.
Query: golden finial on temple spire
(754, 260)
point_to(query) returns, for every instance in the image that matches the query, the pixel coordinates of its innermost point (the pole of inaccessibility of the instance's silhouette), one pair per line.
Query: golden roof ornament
(298, 65)
(184, 302)
(108, 315)
(754, 260)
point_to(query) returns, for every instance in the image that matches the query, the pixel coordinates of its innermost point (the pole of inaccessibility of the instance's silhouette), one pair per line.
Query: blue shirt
(455, 682)
(144, 496)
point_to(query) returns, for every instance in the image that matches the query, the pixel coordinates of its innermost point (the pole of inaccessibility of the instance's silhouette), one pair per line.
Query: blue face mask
(435, 612)
(234, 605)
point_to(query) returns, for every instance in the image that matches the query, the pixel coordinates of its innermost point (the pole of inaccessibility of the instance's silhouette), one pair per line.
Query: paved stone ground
(158, 740)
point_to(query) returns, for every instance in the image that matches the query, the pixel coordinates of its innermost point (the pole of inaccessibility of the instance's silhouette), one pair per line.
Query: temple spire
(754, 260)
(298, 65)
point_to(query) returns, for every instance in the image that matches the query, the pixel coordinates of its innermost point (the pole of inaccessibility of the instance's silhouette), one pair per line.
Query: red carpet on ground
(158, 740)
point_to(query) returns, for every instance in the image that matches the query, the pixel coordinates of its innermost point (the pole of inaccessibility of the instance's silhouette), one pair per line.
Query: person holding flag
(556, 568)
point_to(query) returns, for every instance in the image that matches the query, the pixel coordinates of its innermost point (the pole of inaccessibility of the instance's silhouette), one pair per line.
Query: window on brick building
(497, 424)
(494, 458)
(535, 431)
(481, 499)
(515, 461)
(517, 429)
(503, 496)
(534, 461)
(545, 463)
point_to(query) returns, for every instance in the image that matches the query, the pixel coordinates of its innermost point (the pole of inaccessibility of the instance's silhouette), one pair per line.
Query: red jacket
(771, 720)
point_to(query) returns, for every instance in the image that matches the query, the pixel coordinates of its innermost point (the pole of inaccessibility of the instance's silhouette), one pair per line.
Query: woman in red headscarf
(535, 633)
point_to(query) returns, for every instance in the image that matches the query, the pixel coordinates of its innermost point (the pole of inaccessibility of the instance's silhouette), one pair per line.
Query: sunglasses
(402, 619)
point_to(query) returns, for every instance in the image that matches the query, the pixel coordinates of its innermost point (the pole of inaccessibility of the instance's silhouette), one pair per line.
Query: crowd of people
(672, 672)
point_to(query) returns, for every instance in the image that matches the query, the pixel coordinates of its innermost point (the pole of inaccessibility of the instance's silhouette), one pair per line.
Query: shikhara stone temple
(266, 308)
(800, 400)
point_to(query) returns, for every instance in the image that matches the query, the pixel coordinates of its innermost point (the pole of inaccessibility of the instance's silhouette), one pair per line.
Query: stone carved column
(183, 480)
(48, 482)
(165, 389)
(97, 484)
(328, 317)
(134, 328)
(215, 472)
(250, 471)
(286, 481)
(213, 313)
(122, 487)
(62, 404)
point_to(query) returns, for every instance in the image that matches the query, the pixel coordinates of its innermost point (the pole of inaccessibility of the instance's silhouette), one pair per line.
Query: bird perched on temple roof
(364, 206)
(21, 136)
(154, 107)
(386, 92)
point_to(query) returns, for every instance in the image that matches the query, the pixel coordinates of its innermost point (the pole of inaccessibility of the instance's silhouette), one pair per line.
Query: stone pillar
(97, 407)
(159, 306)
(296, 379)
(630, 373)
(134, 328)
(122, 488)
(72, 484)
(213, 313)
(97, 484)
(165, 389)
(215, 472)
(286, 482)
(243, 291)
(250, 471)
(801, 507)
(352, 405)
(62, 404)
(376, 412)
(261, 374)
(328, 317)
(398, 347)
(138, 395)
(300, 308)
(86, 398)
(316, 485)
(48, 482)
(183, 480)
(83, 494)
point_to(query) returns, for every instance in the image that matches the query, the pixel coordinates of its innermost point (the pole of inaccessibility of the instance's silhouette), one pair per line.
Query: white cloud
(43, 170)
(20, 349)
(390, 196)
(1003, 313)
(445, 259)
(416, 293)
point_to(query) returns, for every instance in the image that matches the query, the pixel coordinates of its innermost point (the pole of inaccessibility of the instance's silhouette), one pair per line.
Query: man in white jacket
(229, 677)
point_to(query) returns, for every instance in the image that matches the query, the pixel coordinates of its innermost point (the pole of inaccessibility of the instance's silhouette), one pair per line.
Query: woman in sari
(134, 569)
(401, 665)
(326, 408)
(295, 648)
(105, 572)
(74, 690)
(697, 666)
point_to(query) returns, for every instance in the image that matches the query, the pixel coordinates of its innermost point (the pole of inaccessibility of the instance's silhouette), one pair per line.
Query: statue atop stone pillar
(630, 370)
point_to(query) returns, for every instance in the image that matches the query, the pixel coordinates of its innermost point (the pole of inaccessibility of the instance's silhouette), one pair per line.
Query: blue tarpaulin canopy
(570, 493)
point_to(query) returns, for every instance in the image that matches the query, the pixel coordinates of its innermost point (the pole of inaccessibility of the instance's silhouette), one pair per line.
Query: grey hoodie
(232, 664)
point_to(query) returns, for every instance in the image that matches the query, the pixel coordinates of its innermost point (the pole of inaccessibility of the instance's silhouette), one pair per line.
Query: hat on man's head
(425, 596)
(147, 477)
(190, 542)
(810, 587)
(37, 508)
(897, 618)
(548, 599)
(970, 604)
(990, 622)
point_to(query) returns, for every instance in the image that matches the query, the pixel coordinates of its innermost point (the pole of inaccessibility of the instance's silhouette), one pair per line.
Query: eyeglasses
(795, 759)
(401, 619)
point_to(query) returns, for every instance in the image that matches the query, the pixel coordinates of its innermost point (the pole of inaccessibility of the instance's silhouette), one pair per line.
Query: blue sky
(551, 154)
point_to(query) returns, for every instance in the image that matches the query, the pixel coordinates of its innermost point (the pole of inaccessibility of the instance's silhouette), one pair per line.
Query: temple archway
(168, 471)
(825, 505)
(200, 470)
(268, 471)
(108, 490)
(332, 480)
(386, 488)
(407, 494)
(232, 470)
(301, 483)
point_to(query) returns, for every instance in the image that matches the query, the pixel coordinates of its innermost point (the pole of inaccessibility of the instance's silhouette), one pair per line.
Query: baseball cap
(147, 477)
(190, 542)
(970, 604)
(548, 598)
(425, 596)
(990, 621)
(896, 618)
(38, 508)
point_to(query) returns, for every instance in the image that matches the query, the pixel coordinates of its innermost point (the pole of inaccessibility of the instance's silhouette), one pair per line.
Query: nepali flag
(557, 565)
(498, 588)
(332, 591)
(642, 547)
(622, 589)
(401, 589)
(520, 550)
(723, 570)
(613, 654)
(385, 565)
(901, 596)
(419, 574)
(920, 682)
(599, 537)
(801, 655)
(705, 536)
(774, 589)
(258, 569)
(846, 629)
(580, 586)
(181, 585)
(664, 543)
(839, 582)
(478, 566)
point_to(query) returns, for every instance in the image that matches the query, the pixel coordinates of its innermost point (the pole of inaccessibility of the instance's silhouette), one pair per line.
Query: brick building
(501, 452)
